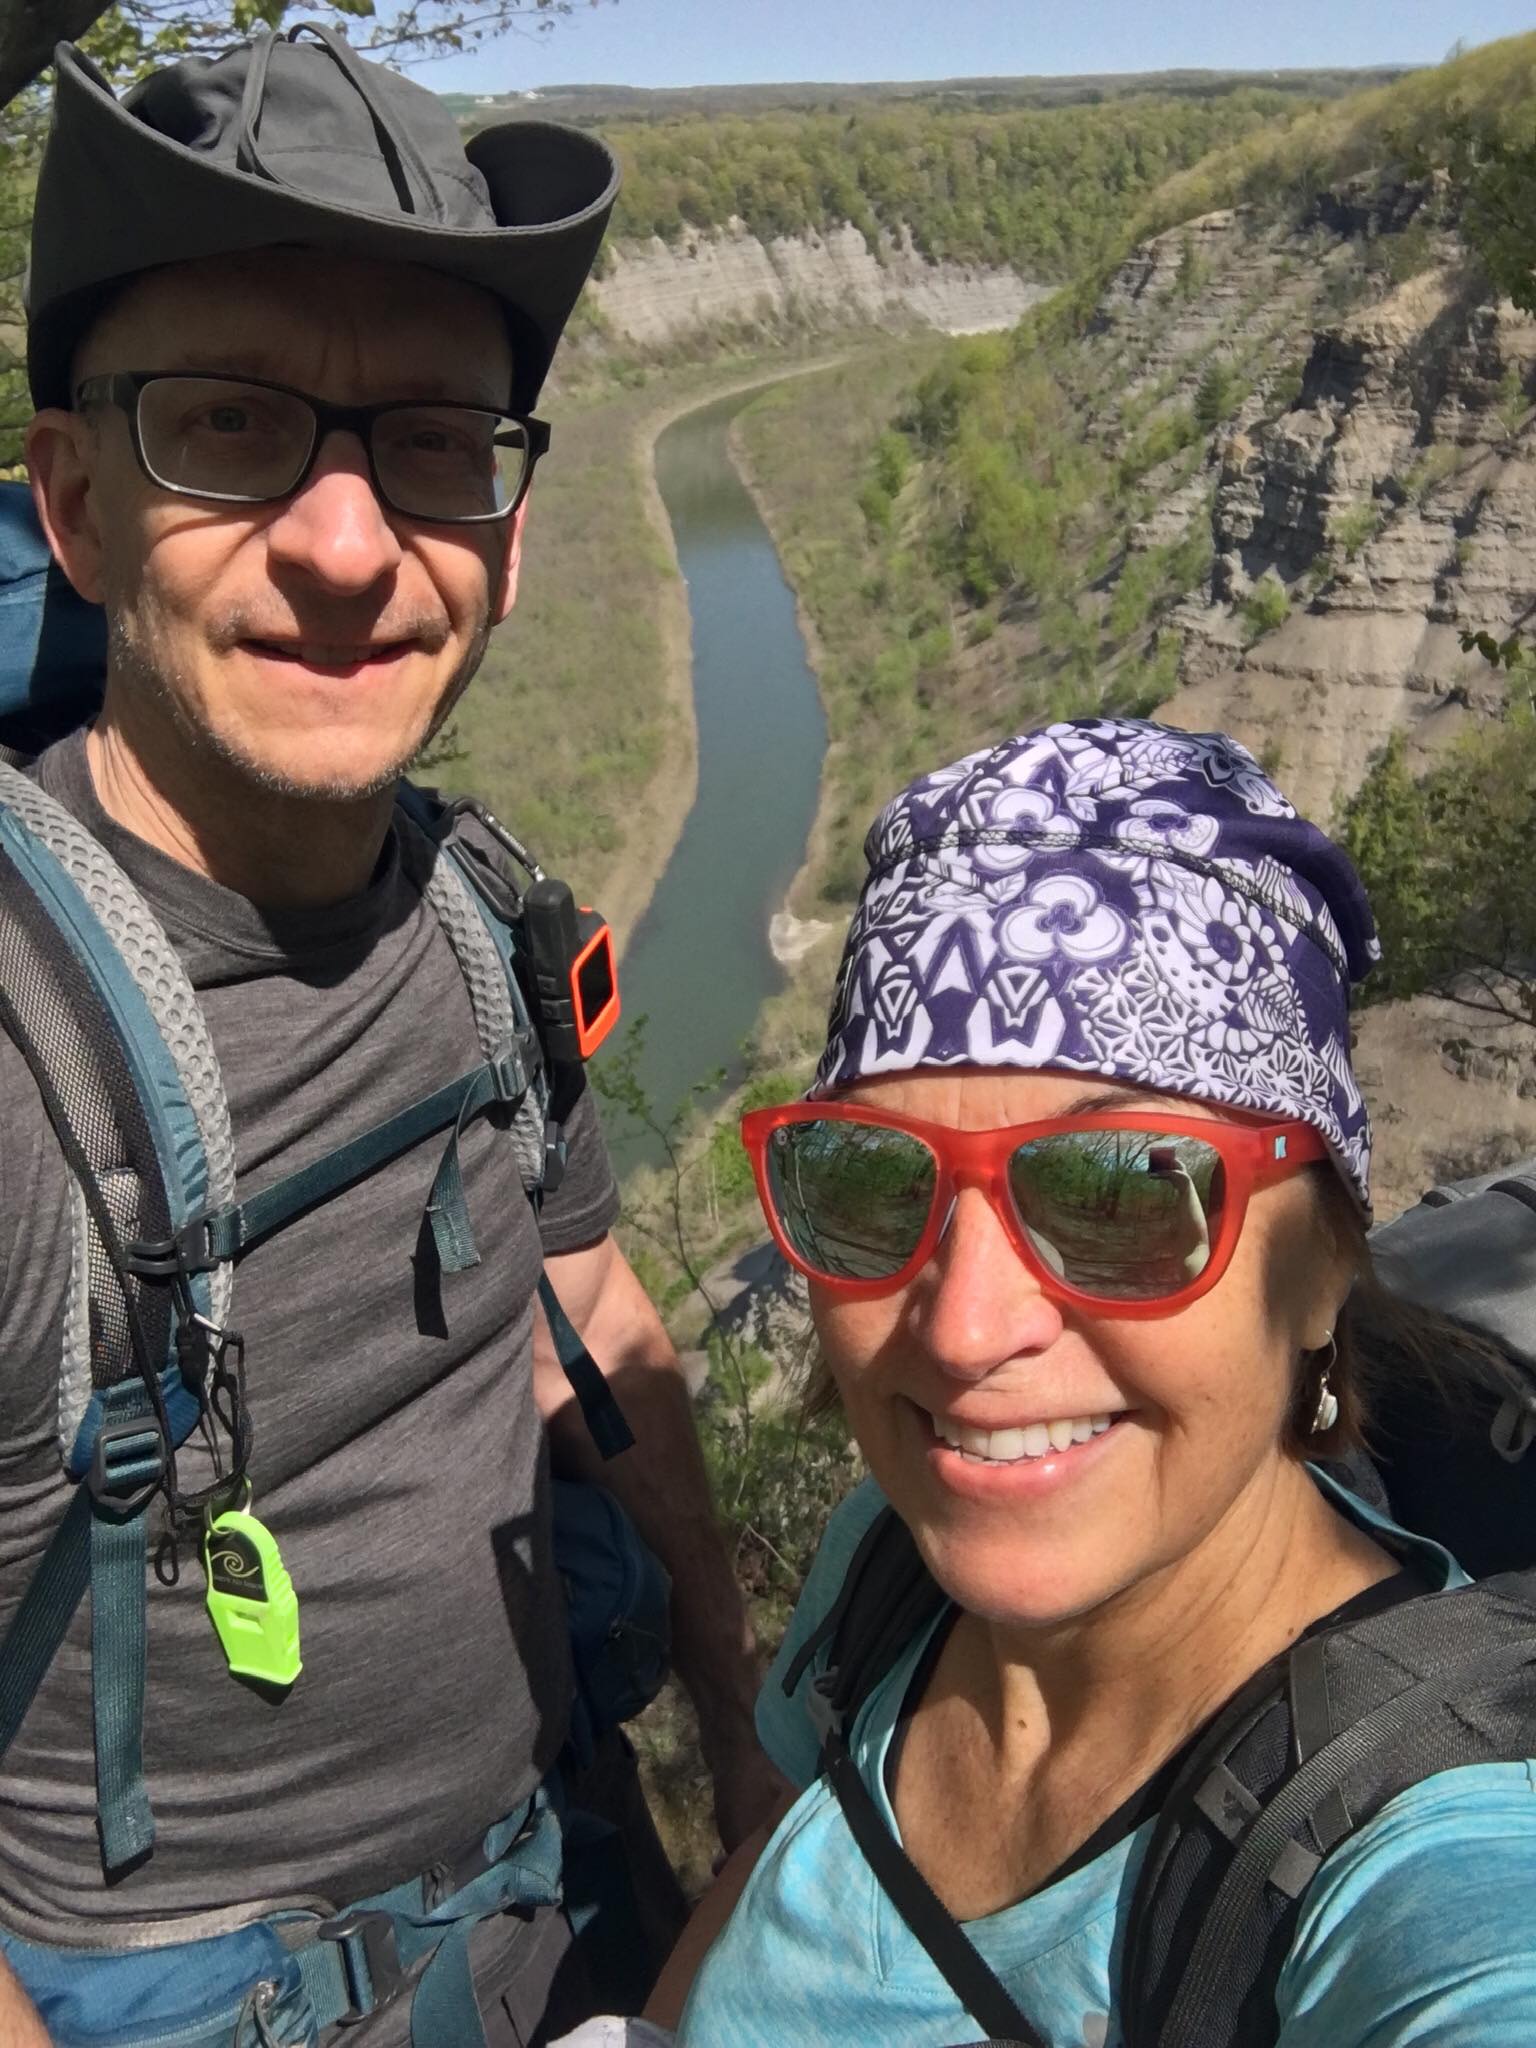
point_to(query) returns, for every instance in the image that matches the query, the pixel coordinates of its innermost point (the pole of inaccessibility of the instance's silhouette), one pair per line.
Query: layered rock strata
(657, 293)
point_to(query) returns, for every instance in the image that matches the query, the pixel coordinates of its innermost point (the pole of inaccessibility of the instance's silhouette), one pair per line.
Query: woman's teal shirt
(1420, 1930)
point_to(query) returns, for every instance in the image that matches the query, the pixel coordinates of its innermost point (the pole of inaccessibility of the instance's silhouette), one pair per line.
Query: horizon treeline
(1039, 190)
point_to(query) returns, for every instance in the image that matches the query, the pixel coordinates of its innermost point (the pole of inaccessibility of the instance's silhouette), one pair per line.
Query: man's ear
(511, 564)
(60, 453)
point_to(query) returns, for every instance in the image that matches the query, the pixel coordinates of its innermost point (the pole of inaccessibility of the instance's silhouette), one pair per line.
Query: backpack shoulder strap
(92, 994)
(1308, 1753)
(479, 909)
(886, 1598)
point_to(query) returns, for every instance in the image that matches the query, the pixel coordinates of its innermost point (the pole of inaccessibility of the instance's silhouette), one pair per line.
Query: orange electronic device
(575, 975)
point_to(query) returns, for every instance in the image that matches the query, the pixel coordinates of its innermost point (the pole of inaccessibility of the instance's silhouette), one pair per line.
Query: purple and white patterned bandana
(1109, 896)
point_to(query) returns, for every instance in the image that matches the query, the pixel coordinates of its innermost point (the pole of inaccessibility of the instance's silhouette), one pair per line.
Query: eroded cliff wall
(654, 294)
(1360, 522)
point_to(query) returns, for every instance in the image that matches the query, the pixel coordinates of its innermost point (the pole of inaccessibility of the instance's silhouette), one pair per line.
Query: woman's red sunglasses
(1128, 1214)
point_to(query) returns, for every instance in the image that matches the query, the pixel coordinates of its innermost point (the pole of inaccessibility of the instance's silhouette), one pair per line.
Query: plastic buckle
(119, 1447)
(510, 1070)
(555, 1151)
(175, 1258)
(381, 1979)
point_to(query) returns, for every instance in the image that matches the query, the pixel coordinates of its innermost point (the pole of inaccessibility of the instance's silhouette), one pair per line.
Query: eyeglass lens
(1124, 1215)
(223, 439)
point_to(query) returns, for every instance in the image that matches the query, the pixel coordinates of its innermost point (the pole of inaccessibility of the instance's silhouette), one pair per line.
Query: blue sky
(713, 42)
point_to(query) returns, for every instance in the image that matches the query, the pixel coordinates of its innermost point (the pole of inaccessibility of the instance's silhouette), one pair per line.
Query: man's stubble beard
(130, 662)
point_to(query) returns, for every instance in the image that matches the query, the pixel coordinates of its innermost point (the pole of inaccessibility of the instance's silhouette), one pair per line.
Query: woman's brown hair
(1380, 1341)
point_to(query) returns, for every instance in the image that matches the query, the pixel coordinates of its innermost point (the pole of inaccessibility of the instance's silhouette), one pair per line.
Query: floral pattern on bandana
(1114, 897)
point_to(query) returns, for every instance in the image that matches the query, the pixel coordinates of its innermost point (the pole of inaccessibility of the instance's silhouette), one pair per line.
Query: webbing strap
(522, 1863)
(235, 1229)
(980, 1991)
(447, 1207)
(42, 1620)
(119, 1559)
(599, 1408)
(107, 1551)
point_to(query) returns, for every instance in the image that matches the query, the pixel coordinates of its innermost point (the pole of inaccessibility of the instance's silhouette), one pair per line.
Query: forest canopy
(1041, 190)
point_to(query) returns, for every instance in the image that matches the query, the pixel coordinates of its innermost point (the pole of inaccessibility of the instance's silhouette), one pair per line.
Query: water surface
(699, 965)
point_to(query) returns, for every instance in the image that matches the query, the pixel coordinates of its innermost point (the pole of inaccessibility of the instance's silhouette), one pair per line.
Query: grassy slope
(542, 737)
(1362, 133)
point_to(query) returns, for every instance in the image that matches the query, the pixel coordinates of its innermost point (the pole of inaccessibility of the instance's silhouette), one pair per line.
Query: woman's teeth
(1008, 1446)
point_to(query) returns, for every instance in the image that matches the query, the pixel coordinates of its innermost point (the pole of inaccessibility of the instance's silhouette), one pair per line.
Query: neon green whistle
(251, 1599)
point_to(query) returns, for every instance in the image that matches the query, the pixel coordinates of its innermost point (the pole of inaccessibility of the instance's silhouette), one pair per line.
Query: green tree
(1446, 860)
(1221, 392)
(1493, 180)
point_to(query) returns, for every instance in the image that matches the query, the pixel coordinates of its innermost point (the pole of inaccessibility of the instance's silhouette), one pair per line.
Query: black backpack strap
(886, 1598)
(1310, 1750)
(955, 1956)
(878, 1569)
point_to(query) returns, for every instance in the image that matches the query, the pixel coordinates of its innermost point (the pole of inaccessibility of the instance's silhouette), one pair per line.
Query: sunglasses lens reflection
(1123, 1215)
(852, 1199)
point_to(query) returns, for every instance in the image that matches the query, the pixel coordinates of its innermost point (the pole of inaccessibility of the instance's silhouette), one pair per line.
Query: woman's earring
(1326, 1413)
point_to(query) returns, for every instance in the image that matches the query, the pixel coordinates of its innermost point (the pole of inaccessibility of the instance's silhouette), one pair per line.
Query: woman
(1080, 1192)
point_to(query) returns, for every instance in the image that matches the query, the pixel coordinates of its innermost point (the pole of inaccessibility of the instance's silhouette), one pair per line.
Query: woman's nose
(976, 1304)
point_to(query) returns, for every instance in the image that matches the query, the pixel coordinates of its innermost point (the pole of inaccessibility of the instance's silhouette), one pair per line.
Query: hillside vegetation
(1035, 190)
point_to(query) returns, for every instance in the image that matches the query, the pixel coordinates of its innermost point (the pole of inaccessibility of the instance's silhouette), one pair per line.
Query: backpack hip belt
(287, 1977)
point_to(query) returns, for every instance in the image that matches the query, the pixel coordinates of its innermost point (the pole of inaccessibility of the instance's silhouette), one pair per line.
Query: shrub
(1267, 606)
(1159, 441)
(1354, 528)
(1222, 390)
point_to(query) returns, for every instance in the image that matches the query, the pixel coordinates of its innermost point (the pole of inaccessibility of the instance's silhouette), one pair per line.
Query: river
(699, 965)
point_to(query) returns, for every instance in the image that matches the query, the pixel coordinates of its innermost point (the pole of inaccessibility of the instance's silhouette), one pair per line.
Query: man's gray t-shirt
(398, 1461)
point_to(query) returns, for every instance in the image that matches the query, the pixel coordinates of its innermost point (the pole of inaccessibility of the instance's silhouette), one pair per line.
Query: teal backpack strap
(95, 999)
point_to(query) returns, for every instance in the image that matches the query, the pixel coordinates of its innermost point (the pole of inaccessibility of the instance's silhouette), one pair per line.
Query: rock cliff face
(1363, 514)
(656, 293)
(1395, 505)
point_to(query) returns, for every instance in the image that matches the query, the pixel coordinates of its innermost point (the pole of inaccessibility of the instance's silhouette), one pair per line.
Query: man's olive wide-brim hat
(287, 141)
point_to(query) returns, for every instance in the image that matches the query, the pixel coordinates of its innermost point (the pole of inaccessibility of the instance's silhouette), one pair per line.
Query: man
(278, 317)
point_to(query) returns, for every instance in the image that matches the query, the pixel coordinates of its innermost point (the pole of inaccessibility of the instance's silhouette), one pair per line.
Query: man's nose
(977, 1304)
(334, 527)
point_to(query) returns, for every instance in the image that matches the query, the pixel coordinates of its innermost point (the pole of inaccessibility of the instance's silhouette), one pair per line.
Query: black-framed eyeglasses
(241, 441)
